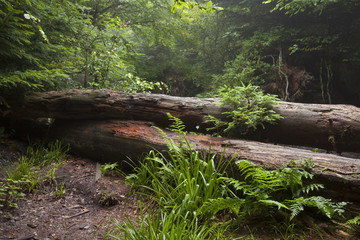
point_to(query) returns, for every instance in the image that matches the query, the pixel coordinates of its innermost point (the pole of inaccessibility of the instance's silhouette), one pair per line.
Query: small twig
(87, 175)
(75, 206)
(71, 226)
(78, 214)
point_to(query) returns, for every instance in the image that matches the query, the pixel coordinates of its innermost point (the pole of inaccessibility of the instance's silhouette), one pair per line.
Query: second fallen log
(112, 140)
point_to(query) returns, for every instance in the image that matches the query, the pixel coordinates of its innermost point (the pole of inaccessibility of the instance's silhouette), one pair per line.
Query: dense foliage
(300, 50)
(66, 44)
(190, 189)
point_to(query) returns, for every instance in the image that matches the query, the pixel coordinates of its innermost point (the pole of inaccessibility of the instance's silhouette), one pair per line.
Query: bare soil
(79, 214)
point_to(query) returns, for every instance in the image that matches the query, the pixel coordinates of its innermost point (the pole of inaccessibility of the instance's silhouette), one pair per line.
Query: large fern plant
(263, 191)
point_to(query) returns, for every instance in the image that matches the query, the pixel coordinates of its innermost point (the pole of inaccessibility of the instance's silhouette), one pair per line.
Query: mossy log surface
(116, 140)
(332, 127)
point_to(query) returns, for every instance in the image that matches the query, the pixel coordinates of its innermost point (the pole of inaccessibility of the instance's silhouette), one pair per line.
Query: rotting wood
(115, 140)
(332, 127)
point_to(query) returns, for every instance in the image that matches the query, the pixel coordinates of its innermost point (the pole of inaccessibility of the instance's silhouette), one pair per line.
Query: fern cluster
(190, 188)
(182, 178)
(266, 191)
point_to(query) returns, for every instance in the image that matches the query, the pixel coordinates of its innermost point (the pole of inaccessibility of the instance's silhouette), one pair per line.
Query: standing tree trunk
(86, 67)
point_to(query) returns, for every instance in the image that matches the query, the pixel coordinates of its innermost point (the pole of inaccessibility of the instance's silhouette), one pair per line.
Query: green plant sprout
(107, 198)
(60, 191)
(108, 166)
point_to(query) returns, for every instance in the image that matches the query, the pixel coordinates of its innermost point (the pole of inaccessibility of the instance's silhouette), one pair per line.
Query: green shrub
(250, 109)
(245, 69)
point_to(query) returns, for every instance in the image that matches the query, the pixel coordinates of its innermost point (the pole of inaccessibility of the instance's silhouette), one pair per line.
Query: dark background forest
(303, 51)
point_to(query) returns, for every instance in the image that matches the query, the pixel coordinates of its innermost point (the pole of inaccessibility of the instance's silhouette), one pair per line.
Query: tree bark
(332, 127)
(115, 140)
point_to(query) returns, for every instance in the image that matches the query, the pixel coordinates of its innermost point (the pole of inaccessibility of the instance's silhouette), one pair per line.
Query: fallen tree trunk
(114, 140)
(332, 127)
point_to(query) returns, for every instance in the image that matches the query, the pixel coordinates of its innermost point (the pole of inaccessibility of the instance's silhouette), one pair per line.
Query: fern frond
(246, 167)
(296, 206)
(177, 124)
(274, 203)
(312, 187)
(324, 205)
(321, 203)
(355, 220)
(292, 178)
(216, 205)
(260, 178)
(236, 184)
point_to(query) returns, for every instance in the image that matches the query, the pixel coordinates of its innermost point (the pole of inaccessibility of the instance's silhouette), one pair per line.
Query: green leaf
(274, 203)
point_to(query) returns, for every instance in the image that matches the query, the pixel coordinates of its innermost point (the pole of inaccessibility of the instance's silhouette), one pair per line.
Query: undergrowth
(169, 225)
(180, 178)
(26, 175)
(264, 192)
(355, 225)
(196, 199)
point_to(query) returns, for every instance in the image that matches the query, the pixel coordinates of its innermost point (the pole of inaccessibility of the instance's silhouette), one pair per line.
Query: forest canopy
(305, 51)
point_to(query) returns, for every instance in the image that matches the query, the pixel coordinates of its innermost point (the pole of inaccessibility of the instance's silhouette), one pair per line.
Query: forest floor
(79, 215)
